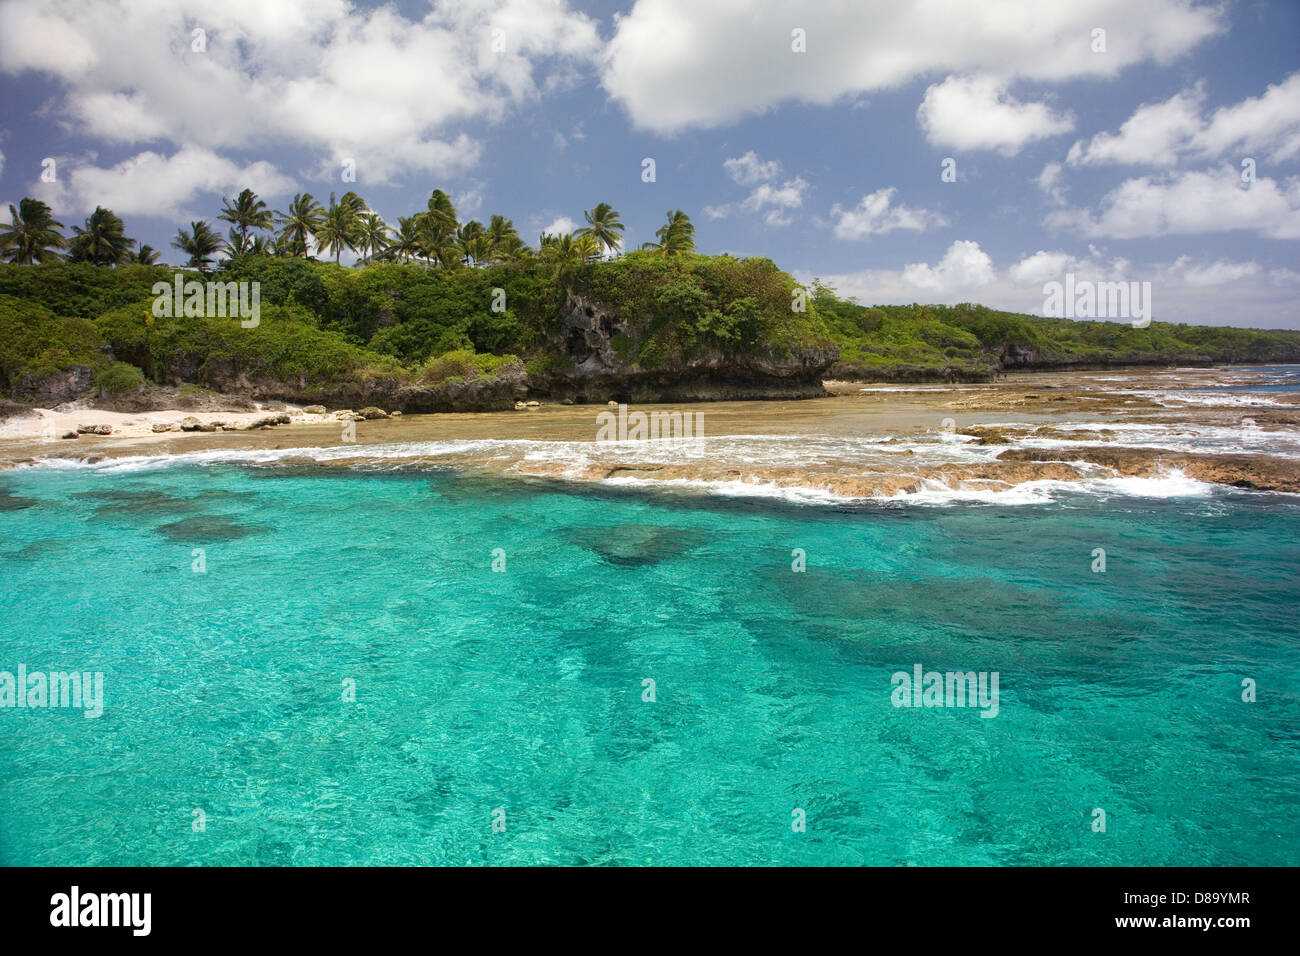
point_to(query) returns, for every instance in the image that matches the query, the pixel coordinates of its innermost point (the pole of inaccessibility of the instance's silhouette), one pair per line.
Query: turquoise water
(522, 689)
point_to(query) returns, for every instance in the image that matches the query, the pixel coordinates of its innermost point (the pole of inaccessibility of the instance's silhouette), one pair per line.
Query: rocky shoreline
(859, 443)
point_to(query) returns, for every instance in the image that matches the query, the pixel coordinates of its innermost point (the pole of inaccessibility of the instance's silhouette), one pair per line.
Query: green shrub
(118, 377)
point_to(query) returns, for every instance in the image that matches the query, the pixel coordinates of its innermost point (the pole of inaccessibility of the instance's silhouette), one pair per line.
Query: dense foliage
(323, 324)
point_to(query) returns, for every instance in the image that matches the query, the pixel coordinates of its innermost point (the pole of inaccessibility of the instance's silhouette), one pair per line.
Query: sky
(927, 151)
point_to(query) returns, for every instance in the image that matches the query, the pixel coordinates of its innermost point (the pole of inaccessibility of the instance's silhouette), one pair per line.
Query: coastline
(1167, 431)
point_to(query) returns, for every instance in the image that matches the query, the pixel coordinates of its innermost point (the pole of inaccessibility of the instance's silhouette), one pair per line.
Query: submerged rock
(12, 502)
(207, 528)
(636, 545)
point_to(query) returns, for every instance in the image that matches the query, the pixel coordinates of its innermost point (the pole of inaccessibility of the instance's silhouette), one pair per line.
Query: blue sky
(1114, 163)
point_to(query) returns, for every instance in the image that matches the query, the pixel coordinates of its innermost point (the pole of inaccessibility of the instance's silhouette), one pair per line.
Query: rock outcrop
(602, 359)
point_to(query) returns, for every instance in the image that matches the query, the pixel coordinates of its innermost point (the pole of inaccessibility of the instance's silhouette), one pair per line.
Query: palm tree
(32, 235)
(503, 236)
(337, 229)
(510, 249)
(438, 228)
(675, 237)
(603, 225)
(465, 237)
(298, 224)
(561, 252)
(586, 246)
(478, 249)
(407, 241)
(201, 242)
(372, 234)
(248, 212)
(147, 255)
(102, 242)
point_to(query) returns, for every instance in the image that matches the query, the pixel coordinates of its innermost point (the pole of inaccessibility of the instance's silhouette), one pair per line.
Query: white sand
(50, 423)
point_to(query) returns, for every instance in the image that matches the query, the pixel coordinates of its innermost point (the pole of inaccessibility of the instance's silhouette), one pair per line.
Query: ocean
(307, 664)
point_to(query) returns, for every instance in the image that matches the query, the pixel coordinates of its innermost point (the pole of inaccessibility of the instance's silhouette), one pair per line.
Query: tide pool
(307, 665)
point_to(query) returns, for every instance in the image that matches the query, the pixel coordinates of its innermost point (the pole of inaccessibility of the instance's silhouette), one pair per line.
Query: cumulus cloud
(1217, 273)
(977, 112)
(964, 267)
(351, 83)
(1188, 203)
(1179, 287)
(788, 195)
(777, 198)
(749, 169)
(675, 64)
(876, 215)
(153, 184)
(559, 226)
(1159, 134)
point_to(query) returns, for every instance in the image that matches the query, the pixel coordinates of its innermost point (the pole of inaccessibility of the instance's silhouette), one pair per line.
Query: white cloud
(976, 112)
(1046, 266)
(749, 169)
(789, 195)
(876, 215)
(363, 84)
(965, 267)
(1215, 273)
(1189, 203)
(1179, 288)
(559, 226)
(675, 64)
(1153, 135)
(776, 198)
(151, 184)
(1159, 134)
(2, 163)
(1041, 267)
(1049, 182)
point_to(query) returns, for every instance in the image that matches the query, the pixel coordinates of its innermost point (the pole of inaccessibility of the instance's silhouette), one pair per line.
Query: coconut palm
(337, 229)
(561, 252)
(102, 242)
(465, 236)
(201, 243)
(406, 243)
(604, 225)
(438, 230)
(510, 249)
(372, 234)
(503, 236)
(298, 224)
(478, 249)
(146, 255)
(247, 213)
(586, 246)
(675, 237)
(32, 235)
